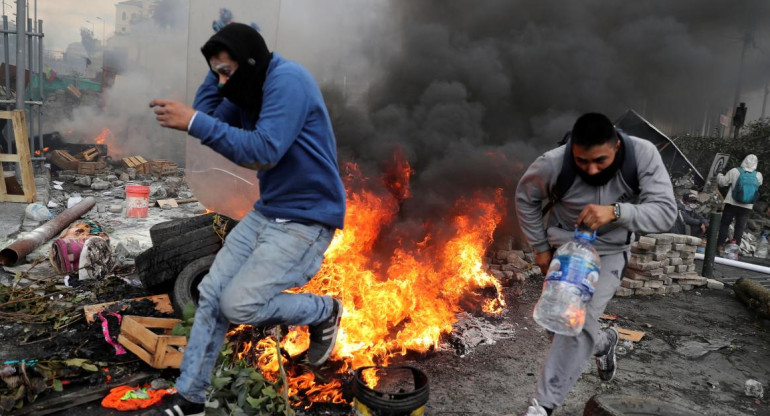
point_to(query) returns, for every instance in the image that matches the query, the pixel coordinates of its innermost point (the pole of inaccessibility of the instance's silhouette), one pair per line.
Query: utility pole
(764, 100)
(748, 37)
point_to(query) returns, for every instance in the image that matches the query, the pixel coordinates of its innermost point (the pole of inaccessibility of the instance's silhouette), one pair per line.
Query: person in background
(686, 216)
(744, 182)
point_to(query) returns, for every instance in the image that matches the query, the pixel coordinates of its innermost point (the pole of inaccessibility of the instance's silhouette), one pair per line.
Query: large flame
(400, 302)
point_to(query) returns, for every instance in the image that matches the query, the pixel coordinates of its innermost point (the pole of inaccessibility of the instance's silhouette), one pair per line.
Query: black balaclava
(247, 47)
(601, 178)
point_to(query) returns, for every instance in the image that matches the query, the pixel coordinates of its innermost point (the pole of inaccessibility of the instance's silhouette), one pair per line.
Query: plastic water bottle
(761, 251)
(569, 284)
(731, 250)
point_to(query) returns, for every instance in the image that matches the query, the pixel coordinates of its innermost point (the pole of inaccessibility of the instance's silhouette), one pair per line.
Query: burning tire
(186, 284)
(160, 233)
(612, 405)
(161, 264)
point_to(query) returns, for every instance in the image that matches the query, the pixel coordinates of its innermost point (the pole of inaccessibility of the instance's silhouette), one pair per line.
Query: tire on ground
(186, 284)
(159, 233)
(617, 405)
(161, 264)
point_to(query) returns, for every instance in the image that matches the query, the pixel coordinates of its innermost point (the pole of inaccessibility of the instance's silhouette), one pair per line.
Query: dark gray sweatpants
(568, 355)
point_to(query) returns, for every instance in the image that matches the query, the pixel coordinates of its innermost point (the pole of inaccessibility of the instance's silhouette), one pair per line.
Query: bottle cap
(585, 235)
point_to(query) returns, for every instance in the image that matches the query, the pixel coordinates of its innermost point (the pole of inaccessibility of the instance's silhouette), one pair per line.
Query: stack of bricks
(661, 264)
(511, 266)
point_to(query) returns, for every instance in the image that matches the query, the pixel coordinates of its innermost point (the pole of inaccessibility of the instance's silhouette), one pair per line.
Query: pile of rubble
(511, 266)
(663, 264)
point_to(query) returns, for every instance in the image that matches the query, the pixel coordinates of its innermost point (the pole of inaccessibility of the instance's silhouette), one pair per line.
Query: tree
(90, 43)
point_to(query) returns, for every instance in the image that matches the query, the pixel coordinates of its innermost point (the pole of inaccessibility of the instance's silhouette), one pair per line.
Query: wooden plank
(156, 350)
(132, 345)
(167, 323)
(87, 395)
(13, 198)
(608, 317)
(7, 115)
(7, 157)
(25, 159)
(630, 335)
(162, 304)
(171, 202)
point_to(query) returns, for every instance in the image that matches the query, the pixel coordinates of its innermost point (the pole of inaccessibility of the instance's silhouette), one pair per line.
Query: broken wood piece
(167, 202)
(162, 167)
(629, 334)
(186, 200)
(63, 160)
(608, 317)
(162, 304)
(88, 155)
(138, 163)
(159, 351)
(91, 168)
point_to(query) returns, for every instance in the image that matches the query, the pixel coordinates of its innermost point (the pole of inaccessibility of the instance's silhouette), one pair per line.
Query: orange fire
(103, 136)
(45, 150)
(399, 302)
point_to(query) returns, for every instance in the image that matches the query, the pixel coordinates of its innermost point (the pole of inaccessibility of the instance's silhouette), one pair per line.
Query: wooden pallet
(136, 162)
(88, 155)
(159, 351)
(162, 167)
(63, 160)
(162, 304)
(22, 157)
(91, 168)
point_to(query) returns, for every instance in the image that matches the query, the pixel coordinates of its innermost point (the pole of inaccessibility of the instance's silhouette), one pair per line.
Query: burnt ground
(668, 363)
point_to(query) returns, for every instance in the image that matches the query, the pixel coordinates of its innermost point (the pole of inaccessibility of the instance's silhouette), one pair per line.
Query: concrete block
(714, 284)
(675, 261)
(644, 291)
(687, 287)
(653, 284)
(495, 267)
(688, 261)
(691, 268)
(647, 240)
(661, 239)
(624, 292)
(660, 290)
(690, 249)
(677, 238)
(647, 265)
(631, 284)
(688, 255)
(681, 268)
(668, 281)
(636, 275)
(639, 247)
(660, 256)
(641, 257)
(679, 247)
(676, 288)
(662, 249)
(693, 241)
(670, 269)
(674, 255)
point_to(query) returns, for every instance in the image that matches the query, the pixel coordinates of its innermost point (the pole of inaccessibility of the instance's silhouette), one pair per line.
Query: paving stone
(631, 283)
(647, 265)
(674, 261)
(688, 255)
(653, 283)
(680, 247)
(691, 268)
(660, 256)
(641, 257)
(644, 291)
(670, 269)
(115, 209)
(647, 240)
(494, 267)
(624, 292)
(693, 241)
(638, 247)
(635, 275)
(674, 255)
(667, 281)
(687, 287)
(677, 238)
(675, 288)
(660, 290)
(100, 186)
(688, 261)
(714, 284)
(681, 268)
(661, 239)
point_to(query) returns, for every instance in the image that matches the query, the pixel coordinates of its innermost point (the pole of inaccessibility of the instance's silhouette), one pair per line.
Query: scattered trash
(697, 347)
(630, 335)
(37, 212)
(471, 331)
(753, 388)
(126, 398)
(74, 200)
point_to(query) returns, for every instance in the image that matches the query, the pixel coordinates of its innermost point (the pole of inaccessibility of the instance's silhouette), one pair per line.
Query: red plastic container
(137, 201)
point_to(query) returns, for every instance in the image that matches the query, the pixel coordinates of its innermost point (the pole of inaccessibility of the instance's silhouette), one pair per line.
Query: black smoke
(473, 91)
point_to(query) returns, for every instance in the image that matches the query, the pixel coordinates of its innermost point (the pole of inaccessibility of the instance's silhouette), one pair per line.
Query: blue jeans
(260, 258)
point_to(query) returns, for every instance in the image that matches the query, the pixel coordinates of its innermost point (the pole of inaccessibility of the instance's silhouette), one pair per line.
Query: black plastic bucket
(370, 402)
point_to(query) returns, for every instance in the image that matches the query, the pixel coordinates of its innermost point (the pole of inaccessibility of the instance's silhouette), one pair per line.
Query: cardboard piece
(631, 335)
(162, 202)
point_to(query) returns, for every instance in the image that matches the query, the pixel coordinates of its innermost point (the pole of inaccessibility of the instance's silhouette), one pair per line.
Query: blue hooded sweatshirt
(293, 133)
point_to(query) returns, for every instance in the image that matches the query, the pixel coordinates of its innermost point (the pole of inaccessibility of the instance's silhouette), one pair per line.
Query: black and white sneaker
(606, 363)
(324, 335)
(177, 405)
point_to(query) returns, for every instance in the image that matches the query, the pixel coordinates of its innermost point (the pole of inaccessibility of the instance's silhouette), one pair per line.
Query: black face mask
(247, 47)
(601, 178)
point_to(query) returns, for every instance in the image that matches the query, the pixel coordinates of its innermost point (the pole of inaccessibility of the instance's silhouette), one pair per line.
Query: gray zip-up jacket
(653, 211)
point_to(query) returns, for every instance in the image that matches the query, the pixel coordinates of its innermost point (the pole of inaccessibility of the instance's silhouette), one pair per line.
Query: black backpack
(567, 175)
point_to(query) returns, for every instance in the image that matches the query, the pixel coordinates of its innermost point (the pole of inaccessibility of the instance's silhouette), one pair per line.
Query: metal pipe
(711, 244)
(19, 249)
(30, 113)
(21, 57)
(735, 263)
(7, 60)
(40, 80)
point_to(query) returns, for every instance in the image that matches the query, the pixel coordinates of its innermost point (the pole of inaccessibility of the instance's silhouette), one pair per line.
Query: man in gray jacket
(605, 181)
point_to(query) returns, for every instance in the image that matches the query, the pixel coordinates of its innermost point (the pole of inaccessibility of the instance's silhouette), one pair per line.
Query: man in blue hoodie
(262, 111)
